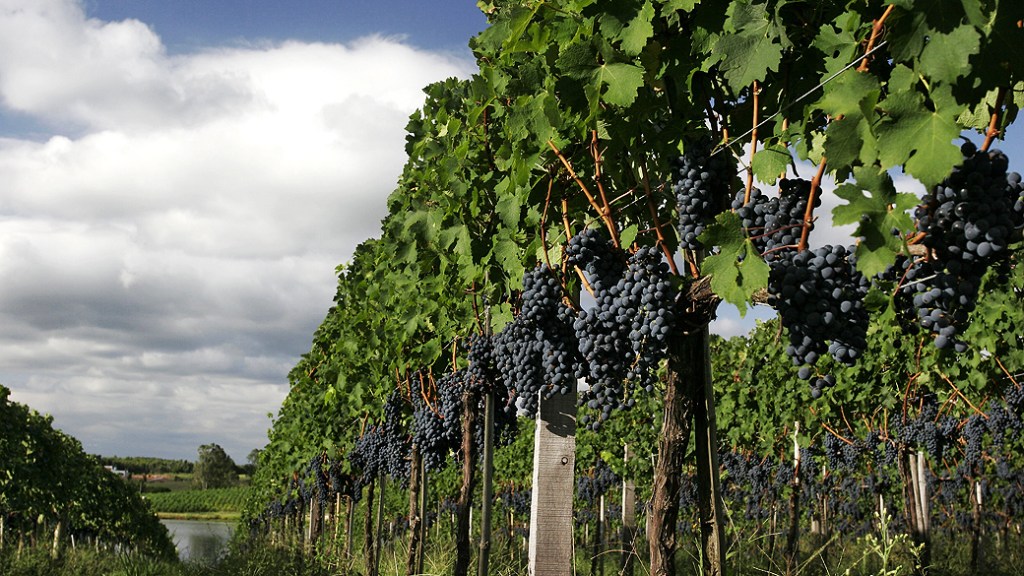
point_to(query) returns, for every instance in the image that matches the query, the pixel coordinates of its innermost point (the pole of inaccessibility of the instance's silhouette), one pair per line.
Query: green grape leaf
(946, 57)
(750, 52)
(737, 271)
(877, 208)
(850, 93)
(849, 141)
(918, 138)
(508, 209)
(623, 81)
(684, 5)
(627, 236)
(639, 30)
(770, 162)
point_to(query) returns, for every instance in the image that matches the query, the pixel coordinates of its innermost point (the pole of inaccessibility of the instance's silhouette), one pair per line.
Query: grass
(209, 516)
(200, 503)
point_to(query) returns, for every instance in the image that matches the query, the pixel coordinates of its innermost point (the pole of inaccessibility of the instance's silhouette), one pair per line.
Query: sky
(179, 181)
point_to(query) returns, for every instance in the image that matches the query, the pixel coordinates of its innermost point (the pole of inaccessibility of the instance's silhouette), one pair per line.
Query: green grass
(228, 501)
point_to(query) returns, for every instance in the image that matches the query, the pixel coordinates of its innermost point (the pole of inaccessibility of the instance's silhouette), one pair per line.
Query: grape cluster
(482, 372)
(591, 252)
(625, 334)
(702, 183)
(775, 224)
(516, 500)
(396, 444)
(364, 457)
(603, 340)
(321, 480)
(437, 426)
(820, 298)
(483, 368)
(646, 298)
(596, 483)
(537, 354)
(435, 429)
(967, 222)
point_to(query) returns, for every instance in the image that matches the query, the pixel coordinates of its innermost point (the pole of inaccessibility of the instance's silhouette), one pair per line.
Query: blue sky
(187, 25)
(181, 179)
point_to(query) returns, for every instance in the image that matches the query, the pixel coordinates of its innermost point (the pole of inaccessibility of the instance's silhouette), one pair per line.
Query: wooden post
(595, 544)
(709, 489)
(483, 557)
(627, 534)
(379, 540)
(414, 509)
(423, 517)
(923, 512)
(350, 516)
(58, 533)
(554, 457)
(976, 526)
(464, 507)
(368, 543)
(793, 533)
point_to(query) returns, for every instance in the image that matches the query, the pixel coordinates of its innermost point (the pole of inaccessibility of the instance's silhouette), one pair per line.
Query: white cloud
(168, 249)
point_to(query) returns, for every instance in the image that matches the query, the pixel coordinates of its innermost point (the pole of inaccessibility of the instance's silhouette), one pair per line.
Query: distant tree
(214, 468)
(252, 462)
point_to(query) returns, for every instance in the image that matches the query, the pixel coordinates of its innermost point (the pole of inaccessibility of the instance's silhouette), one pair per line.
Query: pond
(198, 540)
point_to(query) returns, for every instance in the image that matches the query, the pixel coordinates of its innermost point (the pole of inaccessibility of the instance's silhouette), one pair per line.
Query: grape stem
(809, 214)
(603, 213)
(876, 29)
(476, 311)
(1007, 372)
(753, 145)
(993, 125)
(657, 222)
(832, 430)
(543, 222)
(961, 394)
(423, 394)
(842, 413)
(596, 153)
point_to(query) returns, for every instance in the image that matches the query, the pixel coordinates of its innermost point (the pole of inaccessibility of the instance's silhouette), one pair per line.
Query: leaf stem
(606, 208)
(543, 221)
(832, 430)
(993, 125)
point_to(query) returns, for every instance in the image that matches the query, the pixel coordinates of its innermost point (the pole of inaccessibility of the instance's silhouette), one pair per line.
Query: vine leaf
(946, 57)
(769, 162)
(878, 209)
(918, 138)
(849, 140)
(737, 271)
(639, 31)
(850, 93)
(750, 52)
(627, 236)
(623, 80)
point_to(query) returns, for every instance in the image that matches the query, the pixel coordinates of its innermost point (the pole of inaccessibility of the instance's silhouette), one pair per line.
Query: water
(199, 541)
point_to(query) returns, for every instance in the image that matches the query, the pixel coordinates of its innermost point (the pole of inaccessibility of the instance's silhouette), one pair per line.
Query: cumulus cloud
(169, 246)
